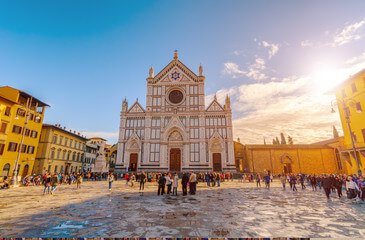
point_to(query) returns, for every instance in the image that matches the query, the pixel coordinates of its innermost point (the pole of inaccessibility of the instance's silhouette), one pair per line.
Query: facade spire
(200, 70)
(176, 56)
(151, 72)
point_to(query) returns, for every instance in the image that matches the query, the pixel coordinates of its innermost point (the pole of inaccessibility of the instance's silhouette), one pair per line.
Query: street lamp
(27, 115)
(351, 103)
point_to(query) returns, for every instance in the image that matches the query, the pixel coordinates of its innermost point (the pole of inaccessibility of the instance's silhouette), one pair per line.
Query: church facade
(176, 131)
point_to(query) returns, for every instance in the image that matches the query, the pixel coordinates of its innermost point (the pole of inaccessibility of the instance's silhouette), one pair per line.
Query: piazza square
(182, 120)
(235, 209)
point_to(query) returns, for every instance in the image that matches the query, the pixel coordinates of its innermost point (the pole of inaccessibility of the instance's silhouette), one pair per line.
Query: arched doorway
(217, 162)
(6, 170)
(287, 164)
(25, 171)
(133, 160)
(175, 160)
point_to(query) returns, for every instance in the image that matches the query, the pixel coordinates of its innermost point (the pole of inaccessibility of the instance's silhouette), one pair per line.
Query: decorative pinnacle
(176, 55)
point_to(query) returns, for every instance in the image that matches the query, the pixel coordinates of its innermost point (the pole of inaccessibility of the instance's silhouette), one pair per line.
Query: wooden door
(25, 171)
(217, 162)
(175, 160)
(133, 159)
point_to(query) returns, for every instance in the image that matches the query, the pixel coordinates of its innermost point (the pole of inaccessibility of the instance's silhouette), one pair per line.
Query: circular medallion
(176, 96)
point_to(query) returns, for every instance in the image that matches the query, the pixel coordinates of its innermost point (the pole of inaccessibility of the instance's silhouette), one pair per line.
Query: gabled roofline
(214, 100)
(136, 102)
(170, 65)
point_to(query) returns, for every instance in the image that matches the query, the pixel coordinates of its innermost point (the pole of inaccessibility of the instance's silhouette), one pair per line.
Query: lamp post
(15, 172)
(347, 117)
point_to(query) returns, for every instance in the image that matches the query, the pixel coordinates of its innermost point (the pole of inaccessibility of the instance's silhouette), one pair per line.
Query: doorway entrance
(175, 160)
(25, 171)
(287, 168)
(133, 159)
(217, 162)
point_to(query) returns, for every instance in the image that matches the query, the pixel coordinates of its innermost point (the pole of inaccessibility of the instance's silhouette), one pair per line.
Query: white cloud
(254, 71)
(348, 34)
(273, 48)
(306, 43)
(298, 106)
(112, 137)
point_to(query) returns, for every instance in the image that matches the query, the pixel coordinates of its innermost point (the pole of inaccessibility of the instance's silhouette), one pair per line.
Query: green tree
(335, 133)
(283, 141)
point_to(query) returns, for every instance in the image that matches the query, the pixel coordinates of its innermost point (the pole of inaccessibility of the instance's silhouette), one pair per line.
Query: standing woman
(175, 184)
(283, 180)
(110, 180)
(79, 180)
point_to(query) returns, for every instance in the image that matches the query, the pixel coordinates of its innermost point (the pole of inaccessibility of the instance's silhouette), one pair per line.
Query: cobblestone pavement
(234, 210)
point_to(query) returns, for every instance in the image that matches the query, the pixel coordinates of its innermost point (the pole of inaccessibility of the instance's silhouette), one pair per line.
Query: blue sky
(84, 57)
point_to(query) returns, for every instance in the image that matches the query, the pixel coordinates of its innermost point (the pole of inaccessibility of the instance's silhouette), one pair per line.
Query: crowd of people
(331, 183)
(168, 183)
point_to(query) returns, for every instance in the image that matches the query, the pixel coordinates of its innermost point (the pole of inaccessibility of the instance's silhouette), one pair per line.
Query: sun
(326, 78)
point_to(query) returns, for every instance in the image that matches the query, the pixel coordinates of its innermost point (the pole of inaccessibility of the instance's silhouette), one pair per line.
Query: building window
(55, 168)
(30, 149)
(3, 127)
(23, 148)
(52, 154)
(61, 140)
(20, 112)
(358, 107)
(49, 168)
(64, 155)
(54, 139)
(61, 171)
(27, 132)
(58, 153)
(194, 152)
(66, 141)
(155, 152)
(194, 133)
(37, 119)
(2, 146)
(156, 122)
(353, 87)
(155, 133)
(31, 116)
(6, 170)
(17, 129)
(7, 111)
(71, 142)
(33, 134)
(363, 134)
(12, 147)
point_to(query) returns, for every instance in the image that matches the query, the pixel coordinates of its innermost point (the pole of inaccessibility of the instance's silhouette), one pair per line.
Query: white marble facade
(176, 131)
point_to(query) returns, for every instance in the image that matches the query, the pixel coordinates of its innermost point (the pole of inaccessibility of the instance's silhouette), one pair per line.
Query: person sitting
(5, 183)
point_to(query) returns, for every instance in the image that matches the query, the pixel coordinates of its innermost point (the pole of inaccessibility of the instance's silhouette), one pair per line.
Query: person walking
(351, 188)
(293, 182)
(110, 180)
(47, 183)
(338, 185)
(283, 180)
(301, 180)
(313, 181)
(267, 180)
(327, 185)
(54, 183)
(218, 180)
(142, 180)
(161, 185)
(175, 184)
(258, 180)
(184, 183)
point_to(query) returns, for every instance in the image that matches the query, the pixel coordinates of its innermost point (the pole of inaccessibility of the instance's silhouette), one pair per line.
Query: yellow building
(21, 117)
(314, 158)
(350, 97)
(59, 150)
